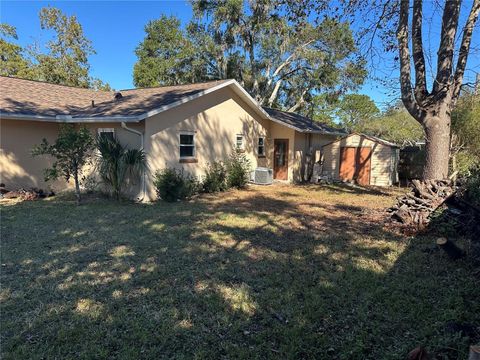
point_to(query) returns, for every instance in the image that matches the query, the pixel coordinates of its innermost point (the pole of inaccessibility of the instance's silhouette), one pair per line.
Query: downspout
(139, 133)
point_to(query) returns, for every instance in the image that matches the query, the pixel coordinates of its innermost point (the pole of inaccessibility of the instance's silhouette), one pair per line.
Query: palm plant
(118, 165)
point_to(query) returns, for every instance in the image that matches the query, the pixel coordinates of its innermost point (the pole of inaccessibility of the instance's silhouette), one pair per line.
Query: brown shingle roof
(27, 97)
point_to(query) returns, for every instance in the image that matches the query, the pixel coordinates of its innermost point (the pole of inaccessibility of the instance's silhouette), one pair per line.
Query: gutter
(139, 133)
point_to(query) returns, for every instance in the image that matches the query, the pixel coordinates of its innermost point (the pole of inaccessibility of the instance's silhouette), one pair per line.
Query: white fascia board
(70, 119)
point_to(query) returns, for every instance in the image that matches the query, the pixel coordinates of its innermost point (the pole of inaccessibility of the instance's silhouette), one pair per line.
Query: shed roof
(369, 137)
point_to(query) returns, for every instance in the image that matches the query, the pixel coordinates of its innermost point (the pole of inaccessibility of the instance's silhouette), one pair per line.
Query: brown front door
(355, 164)
(280, 159)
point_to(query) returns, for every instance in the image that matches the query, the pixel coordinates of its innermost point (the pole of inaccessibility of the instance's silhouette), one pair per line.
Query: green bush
(172, 185)
(472, 186)
(215, 178)
(238, 170)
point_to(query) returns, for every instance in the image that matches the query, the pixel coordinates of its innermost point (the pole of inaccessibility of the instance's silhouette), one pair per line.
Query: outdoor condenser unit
(262, 176)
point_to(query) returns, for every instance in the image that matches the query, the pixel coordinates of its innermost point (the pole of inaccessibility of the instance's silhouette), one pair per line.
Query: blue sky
(116, 28)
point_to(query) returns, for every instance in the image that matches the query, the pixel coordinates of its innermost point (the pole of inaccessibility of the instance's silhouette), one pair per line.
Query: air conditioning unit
(262, 176)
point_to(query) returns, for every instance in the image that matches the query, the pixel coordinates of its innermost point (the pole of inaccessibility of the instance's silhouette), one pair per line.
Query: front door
(280, 159)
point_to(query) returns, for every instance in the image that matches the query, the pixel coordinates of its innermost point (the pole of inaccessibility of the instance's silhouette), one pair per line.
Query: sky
(117, 27)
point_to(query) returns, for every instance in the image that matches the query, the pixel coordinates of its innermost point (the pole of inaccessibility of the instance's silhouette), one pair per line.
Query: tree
(386, 25)
(167, 56)
(13, 61)
(117, 164)
(395, 125)
(432, 109)
(355, 109)
(65, 61)
(71, 151)
(465, 145)
(279, 63)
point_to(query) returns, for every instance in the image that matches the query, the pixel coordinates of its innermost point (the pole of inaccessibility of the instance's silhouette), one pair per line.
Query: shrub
(119, 166)
(172, 185)
(215, 178)
(191, 186)
(472, 186)
(238, 170)
(71, 151)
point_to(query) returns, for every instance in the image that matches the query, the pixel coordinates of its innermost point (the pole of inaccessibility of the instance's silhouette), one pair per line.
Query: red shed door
(347, 163)
(362, 165)
(355, 164)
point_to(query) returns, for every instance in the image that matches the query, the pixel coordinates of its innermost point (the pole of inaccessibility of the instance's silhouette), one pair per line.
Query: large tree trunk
(437, 136)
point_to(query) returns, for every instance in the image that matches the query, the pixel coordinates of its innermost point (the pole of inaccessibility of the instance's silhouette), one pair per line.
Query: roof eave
(71, 119)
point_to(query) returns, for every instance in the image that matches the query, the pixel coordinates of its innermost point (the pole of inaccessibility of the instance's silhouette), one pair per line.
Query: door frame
(286, 157)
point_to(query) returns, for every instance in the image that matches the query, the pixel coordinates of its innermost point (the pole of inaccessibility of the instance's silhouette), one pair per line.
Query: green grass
(269, 272)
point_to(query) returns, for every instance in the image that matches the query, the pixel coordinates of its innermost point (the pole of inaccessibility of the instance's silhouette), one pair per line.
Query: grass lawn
(270, 272)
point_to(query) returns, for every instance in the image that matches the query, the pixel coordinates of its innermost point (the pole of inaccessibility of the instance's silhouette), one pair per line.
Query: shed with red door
(360, 158)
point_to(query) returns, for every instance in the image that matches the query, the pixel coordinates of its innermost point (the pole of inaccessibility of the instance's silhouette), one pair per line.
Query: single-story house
(184, 126)
(368, 160)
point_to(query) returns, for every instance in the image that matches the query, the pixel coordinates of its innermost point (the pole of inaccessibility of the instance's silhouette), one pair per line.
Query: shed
(366, 159)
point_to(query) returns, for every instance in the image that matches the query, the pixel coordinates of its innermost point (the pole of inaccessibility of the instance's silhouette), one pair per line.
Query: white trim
(186, 132)
(242, 145)
(105, 130)
(136, 118)
(263, 145)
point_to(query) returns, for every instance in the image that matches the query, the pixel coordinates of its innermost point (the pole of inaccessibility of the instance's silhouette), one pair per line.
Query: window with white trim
(187, 145)
(106, 133)
(261, 146)
(239, 142)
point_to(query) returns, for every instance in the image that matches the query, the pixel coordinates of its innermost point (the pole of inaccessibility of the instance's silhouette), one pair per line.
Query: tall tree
(167, 56)
(397, 25)
(12, 58)
(353, 110)
(65, 60)
(432, 109)
(280, 63)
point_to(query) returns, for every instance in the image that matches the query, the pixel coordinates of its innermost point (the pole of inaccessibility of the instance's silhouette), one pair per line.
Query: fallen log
(452, 250)
(424, 198)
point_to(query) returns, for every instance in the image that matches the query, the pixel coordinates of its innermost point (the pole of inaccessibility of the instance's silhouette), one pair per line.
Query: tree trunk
(437, 136)
(77, 187)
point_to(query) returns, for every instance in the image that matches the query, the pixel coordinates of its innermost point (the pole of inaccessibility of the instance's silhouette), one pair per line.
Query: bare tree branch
(451, 12)
(405, 70)
(418, 54)
(464, 49)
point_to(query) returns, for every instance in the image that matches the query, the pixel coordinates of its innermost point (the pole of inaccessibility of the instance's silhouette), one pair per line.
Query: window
(108, 133)
(239, 145)
(261, 146)
(187, 145)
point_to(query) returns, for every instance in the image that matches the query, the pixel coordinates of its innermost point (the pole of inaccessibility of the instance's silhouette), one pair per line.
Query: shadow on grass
(235, 275)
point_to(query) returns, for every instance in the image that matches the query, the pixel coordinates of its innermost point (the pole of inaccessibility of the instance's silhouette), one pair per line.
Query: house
(366, 159)
(184, 126)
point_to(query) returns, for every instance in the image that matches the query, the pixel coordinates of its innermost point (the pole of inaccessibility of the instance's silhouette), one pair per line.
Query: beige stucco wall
(18, 169)
(381, 161)
(215, 119)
